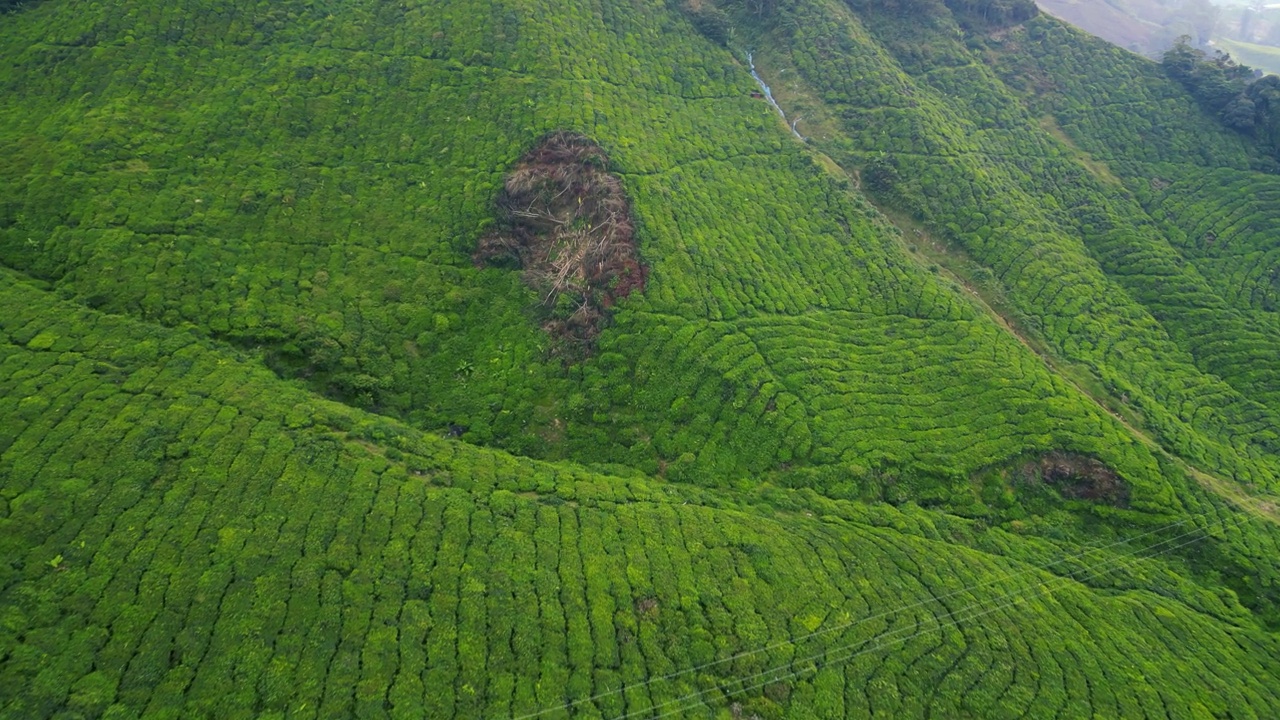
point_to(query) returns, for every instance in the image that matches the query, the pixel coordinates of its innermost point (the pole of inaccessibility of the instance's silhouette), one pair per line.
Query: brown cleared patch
(1077, 476)
(565, 222)
(647, 607)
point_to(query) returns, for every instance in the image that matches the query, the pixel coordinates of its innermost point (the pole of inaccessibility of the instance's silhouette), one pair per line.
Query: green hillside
(323, 397)
(263, 551)
(346, 251)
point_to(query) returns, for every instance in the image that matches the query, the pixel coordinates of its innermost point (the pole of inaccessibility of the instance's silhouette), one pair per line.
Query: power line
(938, 599)
(1019, 597)
(845, 626)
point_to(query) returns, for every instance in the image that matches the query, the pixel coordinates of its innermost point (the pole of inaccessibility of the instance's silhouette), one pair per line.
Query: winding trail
(1265, 509)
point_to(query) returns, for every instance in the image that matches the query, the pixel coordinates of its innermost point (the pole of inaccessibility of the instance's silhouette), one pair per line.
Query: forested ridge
(490, 359)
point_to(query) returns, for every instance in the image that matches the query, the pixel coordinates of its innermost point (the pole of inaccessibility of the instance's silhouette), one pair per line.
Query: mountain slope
(963, 404)
(944, 138)
(267, 552)
(320, 196)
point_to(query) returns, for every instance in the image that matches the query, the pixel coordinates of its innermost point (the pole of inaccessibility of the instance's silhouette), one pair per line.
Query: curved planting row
(1103, 289)
(314, 190)
(266, 552)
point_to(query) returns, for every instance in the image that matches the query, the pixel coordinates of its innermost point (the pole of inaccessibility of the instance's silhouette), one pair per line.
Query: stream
(768, 95)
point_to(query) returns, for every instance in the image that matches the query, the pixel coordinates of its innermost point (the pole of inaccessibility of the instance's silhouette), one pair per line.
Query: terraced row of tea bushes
(928, 402)
(267, 552)
(789, 241)
(312, 187)
(1225, 341)
(1224, 223)
(849, 397)
(1150, 259)
(1117, 106)
(973, 192)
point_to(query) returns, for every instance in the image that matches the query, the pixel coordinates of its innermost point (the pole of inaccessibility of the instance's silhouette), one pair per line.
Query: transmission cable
(845, 626)
(1018, 597)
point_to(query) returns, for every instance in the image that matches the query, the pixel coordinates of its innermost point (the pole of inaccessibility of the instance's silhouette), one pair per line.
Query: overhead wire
(845, 626)
(697, 698)
(1066, 579)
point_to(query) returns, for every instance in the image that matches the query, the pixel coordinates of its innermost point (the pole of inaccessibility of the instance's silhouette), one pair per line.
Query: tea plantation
(263, 551)
(491, 359)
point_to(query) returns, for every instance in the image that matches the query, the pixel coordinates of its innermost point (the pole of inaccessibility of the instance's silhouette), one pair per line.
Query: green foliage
(251, 564)
(986, 14)
(709, 20)
(1235, 93)
(420, 510)
(1214, 82)
(324, 214)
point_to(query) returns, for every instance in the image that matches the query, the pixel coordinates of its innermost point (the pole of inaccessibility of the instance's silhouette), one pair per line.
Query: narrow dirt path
(1266, 508)
(1231, 492)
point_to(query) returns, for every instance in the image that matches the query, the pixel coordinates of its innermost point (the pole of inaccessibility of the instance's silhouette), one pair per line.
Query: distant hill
(1147, 27)
(1262, 57)
(1251, 33)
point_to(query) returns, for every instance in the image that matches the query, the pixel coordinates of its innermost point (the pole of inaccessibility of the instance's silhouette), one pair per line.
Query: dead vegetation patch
(1078, 477)
(565, 222)
(647, 607)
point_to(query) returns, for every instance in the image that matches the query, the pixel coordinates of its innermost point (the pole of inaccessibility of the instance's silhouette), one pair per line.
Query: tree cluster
(1244, 99)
